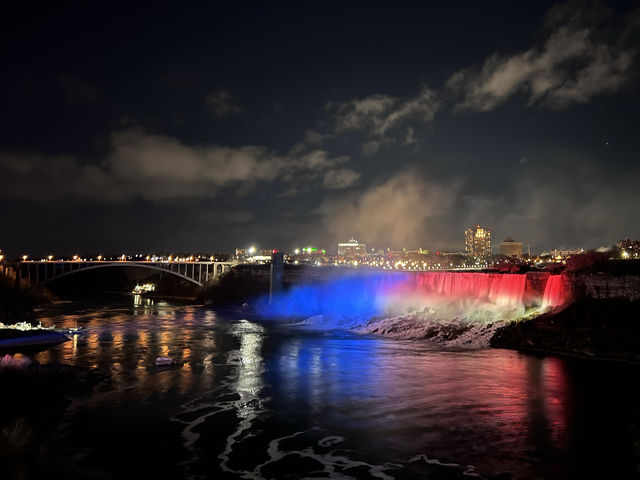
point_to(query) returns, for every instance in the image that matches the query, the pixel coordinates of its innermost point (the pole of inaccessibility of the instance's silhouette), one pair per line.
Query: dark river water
(260, 400)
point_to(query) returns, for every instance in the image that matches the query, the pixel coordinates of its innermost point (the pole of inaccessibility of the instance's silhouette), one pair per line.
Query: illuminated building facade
(478, 241)
(629, 248)
(352, 248)
(511, 248)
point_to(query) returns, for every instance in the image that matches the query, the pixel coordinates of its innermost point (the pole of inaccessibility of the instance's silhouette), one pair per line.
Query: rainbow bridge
(43, 272)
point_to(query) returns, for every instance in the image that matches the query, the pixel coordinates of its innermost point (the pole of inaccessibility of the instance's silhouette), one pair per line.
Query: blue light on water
(354, 294)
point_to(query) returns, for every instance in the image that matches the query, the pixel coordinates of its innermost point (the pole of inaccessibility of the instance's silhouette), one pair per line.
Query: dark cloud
(161, 168)
(221, 104)
(576, 62)
(382, 116)
(340, 178)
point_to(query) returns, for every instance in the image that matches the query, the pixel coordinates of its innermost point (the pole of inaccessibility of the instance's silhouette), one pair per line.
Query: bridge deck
(198, 272)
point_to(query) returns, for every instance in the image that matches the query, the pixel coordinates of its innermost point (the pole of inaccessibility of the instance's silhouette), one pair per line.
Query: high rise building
(352, 248)
(478, 241)
(510, 247)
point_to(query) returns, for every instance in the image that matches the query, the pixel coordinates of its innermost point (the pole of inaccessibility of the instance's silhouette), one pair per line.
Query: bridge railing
(200, 273)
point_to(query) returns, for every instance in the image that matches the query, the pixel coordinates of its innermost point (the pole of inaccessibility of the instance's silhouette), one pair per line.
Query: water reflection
(412, 399)
(241, 386)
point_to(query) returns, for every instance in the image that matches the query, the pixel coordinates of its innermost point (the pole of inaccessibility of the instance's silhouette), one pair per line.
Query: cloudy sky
(215, 126)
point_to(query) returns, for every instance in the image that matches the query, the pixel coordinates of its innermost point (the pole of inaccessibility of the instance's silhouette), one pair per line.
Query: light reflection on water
(385, 400)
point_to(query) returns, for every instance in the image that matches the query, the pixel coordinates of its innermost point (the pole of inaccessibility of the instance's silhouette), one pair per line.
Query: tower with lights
(478, 241)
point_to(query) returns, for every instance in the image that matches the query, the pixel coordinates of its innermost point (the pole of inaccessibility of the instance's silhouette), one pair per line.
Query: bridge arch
(123, 264)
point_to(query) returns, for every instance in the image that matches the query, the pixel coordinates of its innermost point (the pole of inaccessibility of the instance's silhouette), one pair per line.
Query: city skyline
(475, 246)
(151, 130)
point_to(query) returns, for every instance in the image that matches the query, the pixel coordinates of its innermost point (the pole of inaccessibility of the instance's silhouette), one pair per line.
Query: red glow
(557, 292)
(494, 287)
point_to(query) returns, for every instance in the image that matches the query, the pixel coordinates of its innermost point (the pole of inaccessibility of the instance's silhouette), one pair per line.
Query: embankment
(589, 328)
(601, 320)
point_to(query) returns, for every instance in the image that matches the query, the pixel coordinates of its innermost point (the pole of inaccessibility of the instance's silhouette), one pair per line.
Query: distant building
(478, 241)
(352, 248)
(510, 247)
(629, 248)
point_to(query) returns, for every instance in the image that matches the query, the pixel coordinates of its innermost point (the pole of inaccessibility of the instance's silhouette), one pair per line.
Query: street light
(24, 258)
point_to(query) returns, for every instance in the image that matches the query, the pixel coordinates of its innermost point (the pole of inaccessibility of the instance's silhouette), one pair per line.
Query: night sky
(207, 127)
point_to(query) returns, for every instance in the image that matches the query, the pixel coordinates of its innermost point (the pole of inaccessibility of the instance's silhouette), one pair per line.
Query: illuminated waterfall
(556, 292)
(496, 288)
(453, 309)
(372, 294)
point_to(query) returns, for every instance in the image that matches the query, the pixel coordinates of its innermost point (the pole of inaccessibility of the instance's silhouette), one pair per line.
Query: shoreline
(12, 338)
(589, 329)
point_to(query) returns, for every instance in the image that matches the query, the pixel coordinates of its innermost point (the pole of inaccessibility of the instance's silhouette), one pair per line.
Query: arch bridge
(200, 273)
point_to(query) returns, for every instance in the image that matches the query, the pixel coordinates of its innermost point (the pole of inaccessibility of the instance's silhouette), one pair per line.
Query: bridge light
(1, 257)
(24, 258)
(99, 257)
(148, 257)
(75, 258)
(50, 257)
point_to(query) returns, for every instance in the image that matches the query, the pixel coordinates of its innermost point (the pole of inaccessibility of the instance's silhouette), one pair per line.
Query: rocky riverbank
(589, 328)
(602, 321)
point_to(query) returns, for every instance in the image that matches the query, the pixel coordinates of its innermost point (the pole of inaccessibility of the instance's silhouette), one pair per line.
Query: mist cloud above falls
(573, 198)
(395, 212)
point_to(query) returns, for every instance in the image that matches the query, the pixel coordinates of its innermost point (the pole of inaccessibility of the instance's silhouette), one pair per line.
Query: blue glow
(355, 294)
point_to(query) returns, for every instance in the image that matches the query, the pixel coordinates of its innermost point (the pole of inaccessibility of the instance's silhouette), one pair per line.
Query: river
(254, 399)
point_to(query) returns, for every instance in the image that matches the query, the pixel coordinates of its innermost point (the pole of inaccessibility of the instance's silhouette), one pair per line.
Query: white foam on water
(460, 324)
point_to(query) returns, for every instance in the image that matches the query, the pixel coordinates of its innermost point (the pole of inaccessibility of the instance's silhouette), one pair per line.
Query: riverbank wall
(601, 318)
